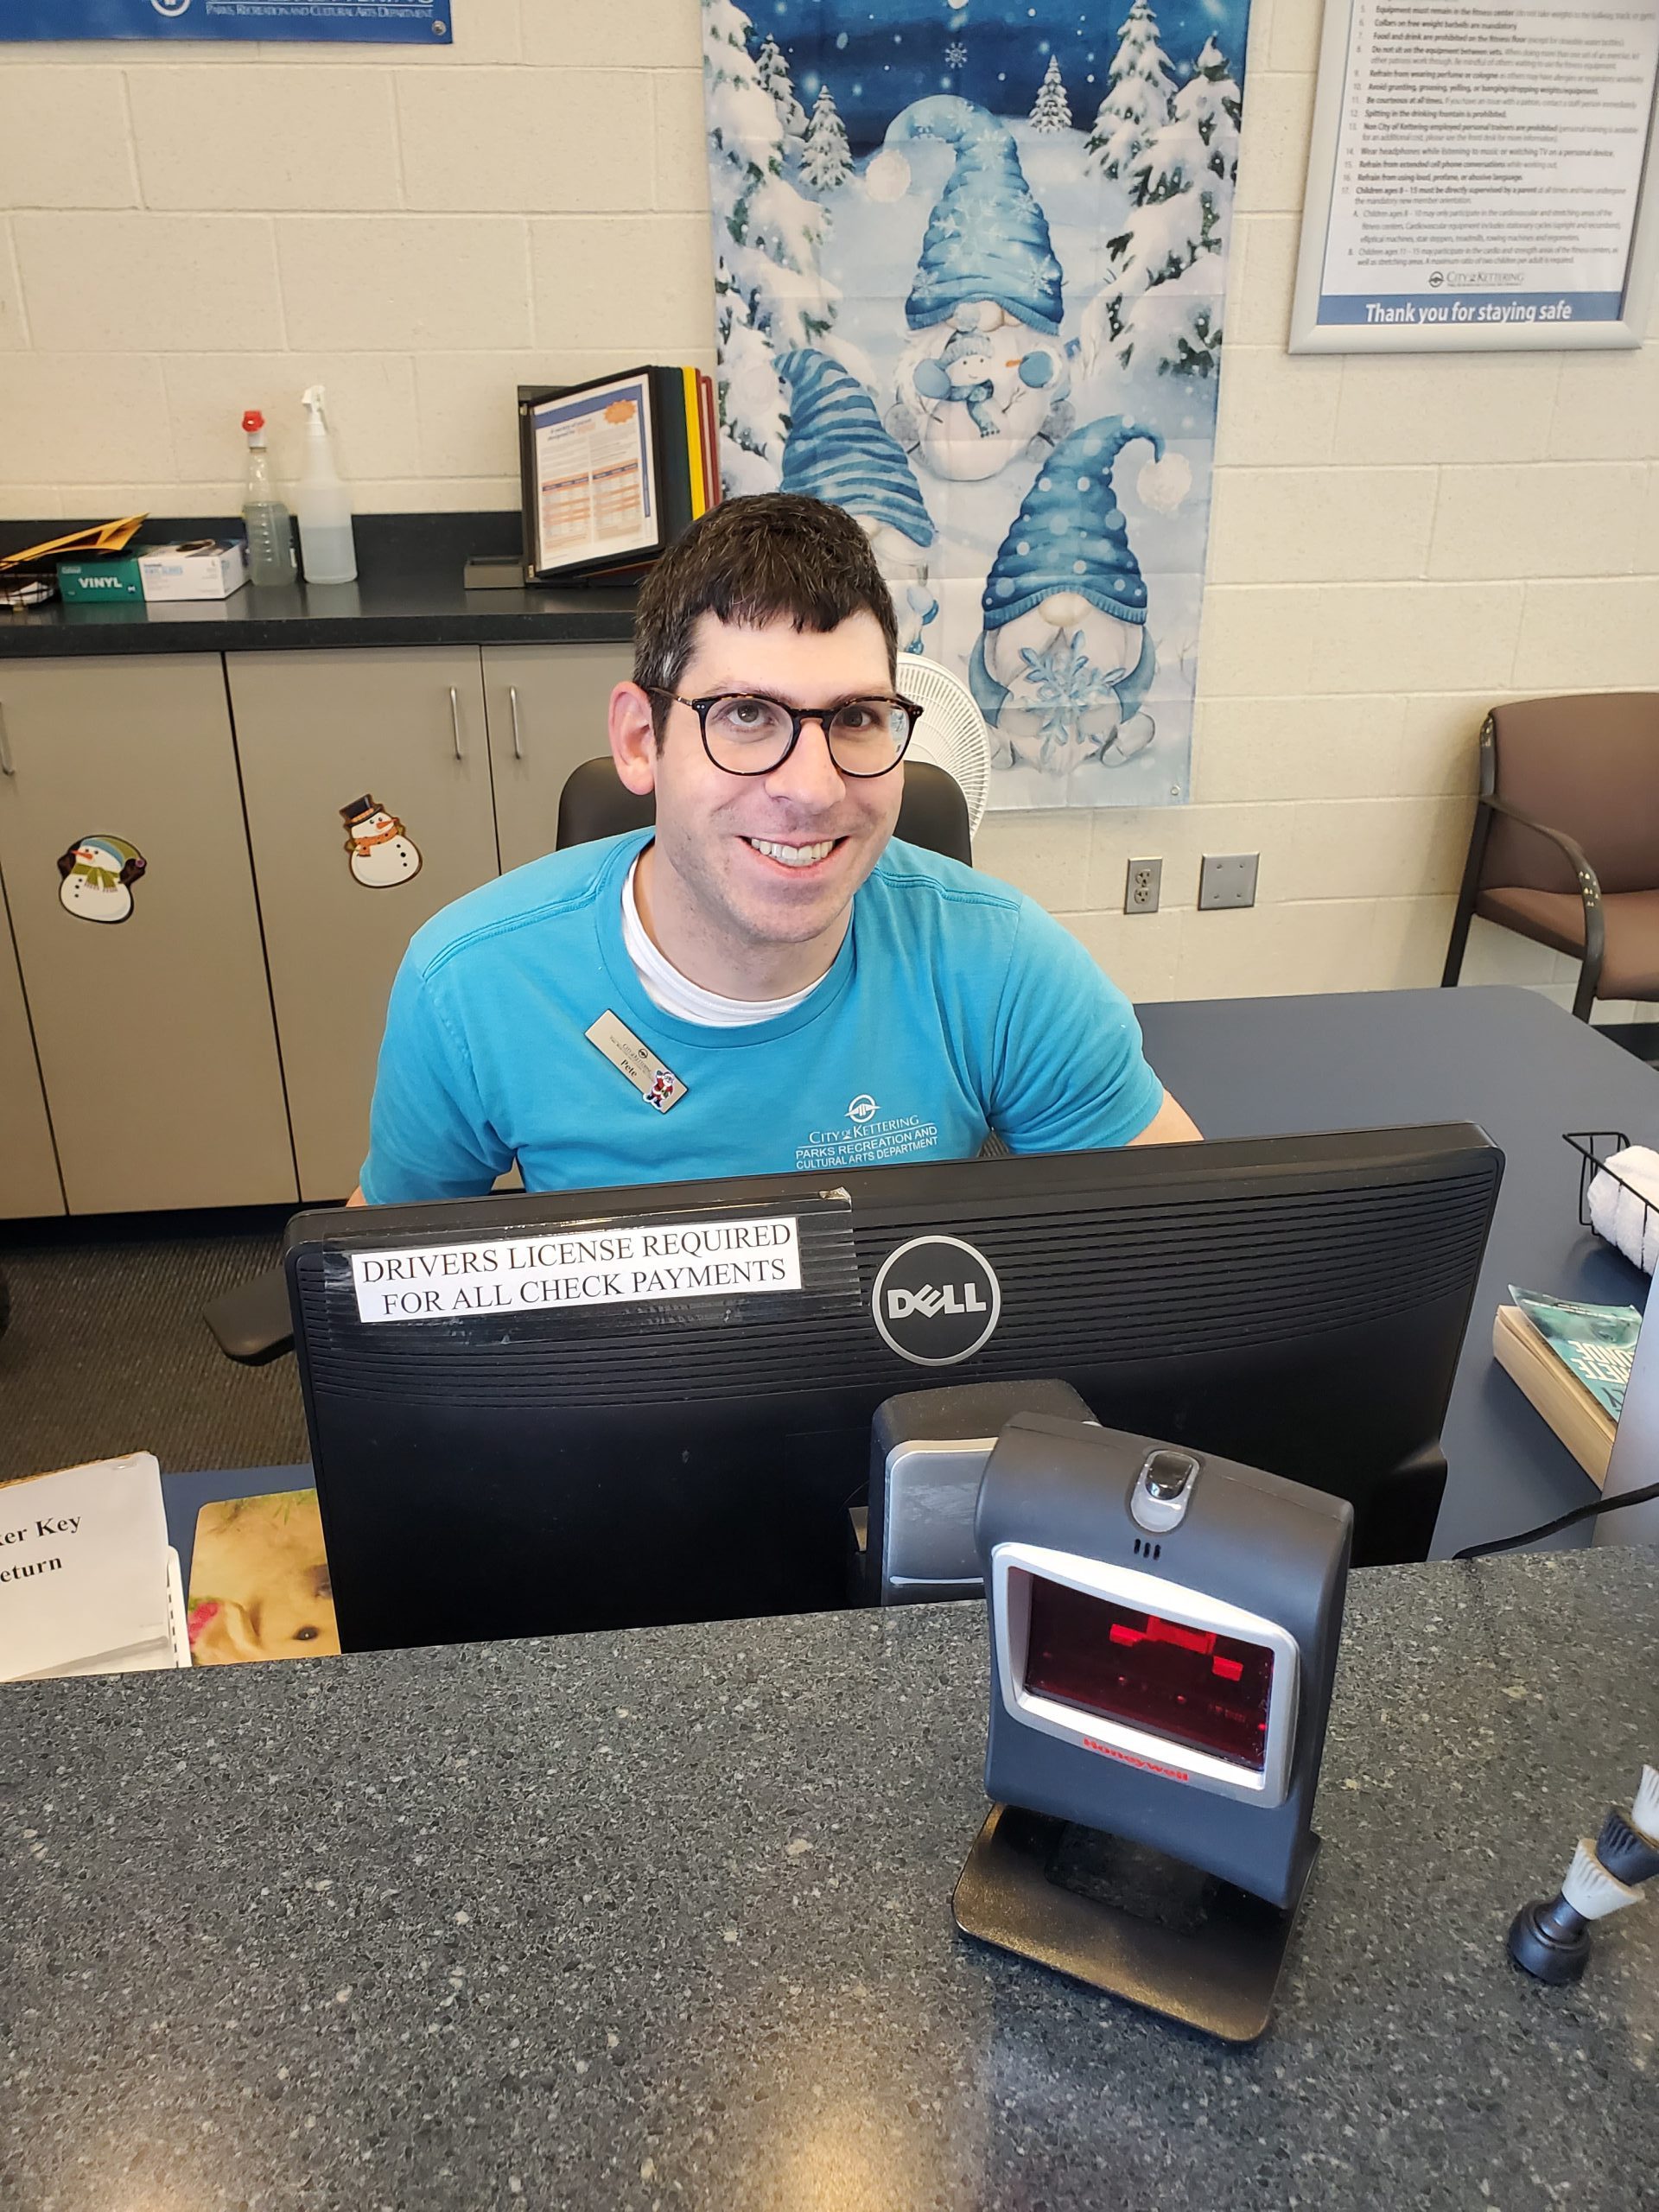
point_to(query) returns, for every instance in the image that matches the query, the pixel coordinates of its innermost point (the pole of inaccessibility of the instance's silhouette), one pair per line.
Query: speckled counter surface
(662, 1920)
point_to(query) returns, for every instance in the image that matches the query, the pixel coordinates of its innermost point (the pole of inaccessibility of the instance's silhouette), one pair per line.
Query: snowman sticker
(97, 876)
(380, 851)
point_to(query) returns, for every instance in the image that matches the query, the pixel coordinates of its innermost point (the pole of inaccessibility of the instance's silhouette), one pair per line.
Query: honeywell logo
(936, 1301)
(955, 1297)
(1129, 1758)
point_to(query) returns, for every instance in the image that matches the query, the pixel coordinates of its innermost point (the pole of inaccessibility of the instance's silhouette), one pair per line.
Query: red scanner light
(1192, 1687)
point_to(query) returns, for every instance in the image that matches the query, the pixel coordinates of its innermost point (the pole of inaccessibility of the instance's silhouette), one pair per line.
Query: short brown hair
(748, 562)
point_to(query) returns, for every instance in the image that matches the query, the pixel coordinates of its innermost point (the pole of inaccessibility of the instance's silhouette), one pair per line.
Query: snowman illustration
(97, 876)
(1063, 660)
(987, 373)
(379, 851)
(837, 450)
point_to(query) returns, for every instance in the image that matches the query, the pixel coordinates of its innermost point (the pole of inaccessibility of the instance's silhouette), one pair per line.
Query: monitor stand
(1130, 1921)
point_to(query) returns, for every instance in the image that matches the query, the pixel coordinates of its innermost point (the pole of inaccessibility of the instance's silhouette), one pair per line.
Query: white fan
(952, 733)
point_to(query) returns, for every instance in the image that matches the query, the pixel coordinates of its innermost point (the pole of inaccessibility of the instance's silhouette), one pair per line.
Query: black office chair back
(595, 803)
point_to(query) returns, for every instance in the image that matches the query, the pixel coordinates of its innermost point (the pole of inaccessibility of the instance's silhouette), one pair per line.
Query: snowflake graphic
(956, 54)
(1068, 691)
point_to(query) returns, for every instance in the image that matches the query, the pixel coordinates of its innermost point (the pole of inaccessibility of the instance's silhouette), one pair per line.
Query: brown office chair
(1565, 849)
(595, 803)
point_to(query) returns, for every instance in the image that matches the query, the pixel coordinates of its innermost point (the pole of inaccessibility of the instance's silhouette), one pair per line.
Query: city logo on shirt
(936, 1301)
(867, 1138)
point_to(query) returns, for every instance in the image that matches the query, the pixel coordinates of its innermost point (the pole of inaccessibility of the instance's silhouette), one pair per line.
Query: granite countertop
(662, 1920)
(409, 592)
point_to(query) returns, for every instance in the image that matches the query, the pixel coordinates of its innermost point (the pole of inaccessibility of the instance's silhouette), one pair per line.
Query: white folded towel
(1626, 1212)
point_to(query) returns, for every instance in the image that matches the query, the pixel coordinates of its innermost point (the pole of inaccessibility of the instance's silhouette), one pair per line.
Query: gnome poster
(970, 267)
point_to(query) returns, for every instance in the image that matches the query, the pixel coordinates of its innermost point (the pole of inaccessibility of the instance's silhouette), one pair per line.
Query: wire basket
(1595, 1147)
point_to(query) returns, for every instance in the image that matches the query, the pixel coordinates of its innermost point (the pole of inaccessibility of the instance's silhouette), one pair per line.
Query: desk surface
(662, 1919)
(1511, 1062)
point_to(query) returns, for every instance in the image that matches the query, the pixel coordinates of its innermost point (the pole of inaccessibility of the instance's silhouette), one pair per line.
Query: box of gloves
(197, 567)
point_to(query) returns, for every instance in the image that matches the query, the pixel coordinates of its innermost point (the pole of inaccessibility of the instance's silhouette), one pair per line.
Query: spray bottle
(270, 533)
(326, 544)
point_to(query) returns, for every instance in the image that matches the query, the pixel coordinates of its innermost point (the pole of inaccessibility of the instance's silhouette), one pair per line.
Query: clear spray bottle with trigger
(270, 532)
(326, 546)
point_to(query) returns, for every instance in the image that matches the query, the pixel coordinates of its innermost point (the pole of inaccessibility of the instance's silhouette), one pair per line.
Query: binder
(611, 471)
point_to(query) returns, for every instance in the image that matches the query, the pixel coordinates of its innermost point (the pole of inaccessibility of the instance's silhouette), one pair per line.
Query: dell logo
(936, 1301)
(928, 1300)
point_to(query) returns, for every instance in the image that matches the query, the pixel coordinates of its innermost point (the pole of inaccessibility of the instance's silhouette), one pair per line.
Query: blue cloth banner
(970, 265)
(423, 22)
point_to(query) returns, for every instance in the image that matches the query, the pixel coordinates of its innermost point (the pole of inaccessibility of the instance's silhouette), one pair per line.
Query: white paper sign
(615, 1266)
(1478, 172)
(83, 1569)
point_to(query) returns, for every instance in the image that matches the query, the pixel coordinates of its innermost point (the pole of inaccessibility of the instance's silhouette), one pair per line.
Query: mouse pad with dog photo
(259, 1584)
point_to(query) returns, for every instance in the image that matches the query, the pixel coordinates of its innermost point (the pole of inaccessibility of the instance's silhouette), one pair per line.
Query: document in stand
(88, 1583)
(1476, 177)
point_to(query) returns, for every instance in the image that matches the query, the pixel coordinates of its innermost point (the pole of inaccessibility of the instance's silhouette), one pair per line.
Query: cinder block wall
(1397, 543)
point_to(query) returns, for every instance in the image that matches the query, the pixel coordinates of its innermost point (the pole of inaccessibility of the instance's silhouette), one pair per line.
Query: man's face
(712, 828)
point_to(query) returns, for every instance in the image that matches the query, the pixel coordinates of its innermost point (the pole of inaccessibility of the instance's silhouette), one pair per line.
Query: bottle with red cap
(271, 531)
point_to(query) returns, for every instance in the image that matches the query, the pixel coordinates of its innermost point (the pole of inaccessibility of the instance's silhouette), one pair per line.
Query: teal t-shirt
(956, 1006)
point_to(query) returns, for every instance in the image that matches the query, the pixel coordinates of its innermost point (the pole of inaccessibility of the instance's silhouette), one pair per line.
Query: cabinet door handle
(6, 765)
(455, 719)
(512, 702)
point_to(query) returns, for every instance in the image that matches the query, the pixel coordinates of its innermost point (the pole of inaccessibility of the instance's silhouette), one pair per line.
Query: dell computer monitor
(594, 1410)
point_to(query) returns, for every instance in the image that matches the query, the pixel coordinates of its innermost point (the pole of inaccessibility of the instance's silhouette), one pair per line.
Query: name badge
(658, 1085)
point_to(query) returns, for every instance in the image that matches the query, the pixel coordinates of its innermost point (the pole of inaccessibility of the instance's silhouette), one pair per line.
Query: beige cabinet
(29, 1167)
(548, 706)
(124, 857)
(366, 775)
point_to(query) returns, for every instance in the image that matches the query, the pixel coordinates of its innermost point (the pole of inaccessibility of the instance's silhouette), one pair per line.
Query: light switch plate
(1227, 880)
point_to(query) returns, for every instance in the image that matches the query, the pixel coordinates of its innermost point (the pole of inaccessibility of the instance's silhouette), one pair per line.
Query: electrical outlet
(1142, 887)
(1227, 880)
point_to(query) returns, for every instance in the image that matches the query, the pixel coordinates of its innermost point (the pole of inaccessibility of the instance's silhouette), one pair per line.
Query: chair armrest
(1589, 882)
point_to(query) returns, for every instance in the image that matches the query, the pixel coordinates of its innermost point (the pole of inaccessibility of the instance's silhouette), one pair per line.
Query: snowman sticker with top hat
(380, 851)
(1063, 660)
(987, 373)
(98, 875)
(836, 449)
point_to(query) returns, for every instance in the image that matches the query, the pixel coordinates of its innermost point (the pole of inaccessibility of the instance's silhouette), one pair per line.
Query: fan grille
(952, 734)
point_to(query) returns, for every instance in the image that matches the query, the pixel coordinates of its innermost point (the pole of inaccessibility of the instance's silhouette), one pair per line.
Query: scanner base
(1180, 1942)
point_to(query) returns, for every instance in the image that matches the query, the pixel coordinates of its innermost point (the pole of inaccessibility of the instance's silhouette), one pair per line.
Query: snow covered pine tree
(1163, 301)
(771, 67)
(1052, 110)
(1137, 97)
(828, 159)
(769, 295)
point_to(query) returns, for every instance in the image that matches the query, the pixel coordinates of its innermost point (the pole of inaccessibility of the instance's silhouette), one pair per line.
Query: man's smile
(788, 854)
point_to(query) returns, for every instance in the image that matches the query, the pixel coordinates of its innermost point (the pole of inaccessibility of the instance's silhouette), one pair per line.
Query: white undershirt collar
(664, 985)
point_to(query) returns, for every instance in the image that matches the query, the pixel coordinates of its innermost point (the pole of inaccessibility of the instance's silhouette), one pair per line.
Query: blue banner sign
(423, 22)
(1478, 310)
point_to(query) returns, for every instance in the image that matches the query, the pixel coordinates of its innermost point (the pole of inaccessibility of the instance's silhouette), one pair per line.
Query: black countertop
(409, 592)
(662, 1920)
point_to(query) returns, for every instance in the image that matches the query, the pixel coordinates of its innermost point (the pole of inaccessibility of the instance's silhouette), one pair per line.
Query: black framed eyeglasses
(748, 734)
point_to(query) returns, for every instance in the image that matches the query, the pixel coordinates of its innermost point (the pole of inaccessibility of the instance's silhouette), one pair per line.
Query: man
(766, 981)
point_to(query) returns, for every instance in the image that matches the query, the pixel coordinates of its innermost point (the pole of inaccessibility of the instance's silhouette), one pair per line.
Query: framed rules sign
(1481, 176)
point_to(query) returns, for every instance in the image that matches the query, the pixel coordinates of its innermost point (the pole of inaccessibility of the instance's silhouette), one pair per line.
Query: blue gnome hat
(987, 238)
(837, 449)
(1070, 534)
